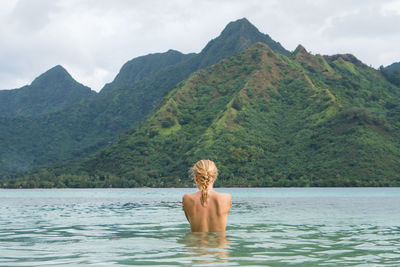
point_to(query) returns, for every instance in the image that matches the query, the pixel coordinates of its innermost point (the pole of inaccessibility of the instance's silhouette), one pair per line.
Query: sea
(146, 226)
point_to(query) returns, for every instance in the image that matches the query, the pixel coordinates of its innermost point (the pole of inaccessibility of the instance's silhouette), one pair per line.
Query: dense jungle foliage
(46, 133)
(392, 73)
(52, 91)
(266, 120)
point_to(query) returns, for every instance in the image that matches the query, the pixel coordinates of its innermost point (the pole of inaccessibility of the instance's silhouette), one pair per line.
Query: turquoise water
(266, 227)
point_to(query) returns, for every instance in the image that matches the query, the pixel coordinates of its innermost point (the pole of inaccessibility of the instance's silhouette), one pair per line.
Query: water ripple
(262, 231)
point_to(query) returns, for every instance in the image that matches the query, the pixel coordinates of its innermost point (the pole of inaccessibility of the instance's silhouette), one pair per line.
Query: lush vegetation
(392, 73)
(265, 119)
(44, 134)
(52, 91)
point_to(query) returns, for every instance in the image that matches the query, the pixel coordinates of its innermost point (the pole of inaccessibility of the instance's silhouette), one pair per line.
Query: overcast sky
(92, 39)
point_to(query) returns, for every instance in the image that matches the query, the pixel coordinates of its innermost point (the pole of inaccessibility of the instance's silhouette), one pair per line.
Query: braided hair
(204, 172)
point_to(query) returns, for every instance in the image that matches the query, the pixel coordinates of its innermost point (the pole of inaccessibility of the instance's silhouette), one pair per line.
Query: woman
(206, 210)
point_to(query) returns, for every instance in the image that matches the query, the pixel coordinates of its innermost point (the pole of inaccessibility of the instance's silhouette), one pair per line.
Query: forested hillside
(392, 73)
(52, 91)
(266, 120)
(43, 135)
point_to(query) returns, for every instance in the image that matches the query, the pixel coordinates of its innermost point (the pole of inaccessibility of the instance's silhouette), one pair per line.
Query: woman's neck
(209, 188)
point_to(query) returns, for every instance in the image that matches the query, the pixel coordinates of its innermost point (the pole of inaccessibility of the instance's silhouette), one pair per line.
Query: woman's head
(204, 173)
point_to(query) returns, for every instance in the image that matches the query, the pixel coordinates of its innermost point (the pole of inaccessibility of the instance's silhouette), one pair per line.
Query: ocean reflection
(206, 248)
(147, 227)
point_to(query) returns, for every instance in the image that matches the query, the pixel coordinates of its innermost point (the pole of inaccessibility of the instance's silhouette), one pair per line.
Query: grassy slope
(82, 129)
(267, 120)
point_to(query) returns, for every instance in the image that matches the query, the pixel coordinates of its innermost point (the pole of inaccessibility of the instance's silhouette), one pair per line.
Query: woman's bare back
(212, 216)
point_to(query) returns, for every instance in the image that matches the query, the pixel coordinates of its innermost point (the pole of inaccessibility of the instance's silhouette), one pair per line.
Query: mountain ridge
(51, 91)
(266, 120)
(306, 101)
(83, 128)
(392, 73)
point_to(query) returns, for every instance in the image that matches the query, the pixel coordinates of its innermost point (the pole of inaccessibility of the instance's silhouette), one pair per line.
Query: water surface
(266, 227)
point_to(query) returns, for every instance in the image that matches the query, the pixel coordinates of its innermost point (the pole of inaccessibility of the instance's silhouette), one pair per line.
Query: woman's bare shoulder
(224, 201)
(224, 196)
(189, 196)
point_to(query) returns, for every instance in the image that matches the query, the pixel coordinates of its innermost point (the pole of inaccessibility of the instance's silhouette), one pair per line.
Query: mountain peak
(173, 51)
(300, 50)
(239, 25)
(237, 37)
(52, 91)
(301, 54)
(56, 74)
(251, 97)
(58, 69)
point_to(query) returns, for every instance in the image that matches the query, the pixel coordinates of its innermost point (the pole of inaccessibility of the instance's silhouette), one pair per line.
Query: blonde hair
(204, 173)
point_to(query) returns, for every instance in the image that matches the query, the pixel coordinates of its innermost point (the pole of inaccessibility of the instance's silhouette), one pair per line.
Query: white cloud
(92, 39)
(390, 8)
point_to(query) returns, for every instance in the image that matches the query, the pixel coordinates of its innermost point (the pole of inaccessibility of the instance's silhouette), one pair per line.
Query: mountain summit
(52, 91)
(84, 128)
(267, 120)
(238, 36)
(57, 74)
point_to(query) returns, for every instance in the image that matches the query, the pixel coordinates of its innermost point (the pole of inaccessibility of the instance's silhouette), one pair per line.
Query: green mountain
(266, 120)
(144, 67)
(393, 67)
(77, 130)
(27, 136)
(52, 91)
(392, 73)
(134, 95)
(81, 129)
(235, 38)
